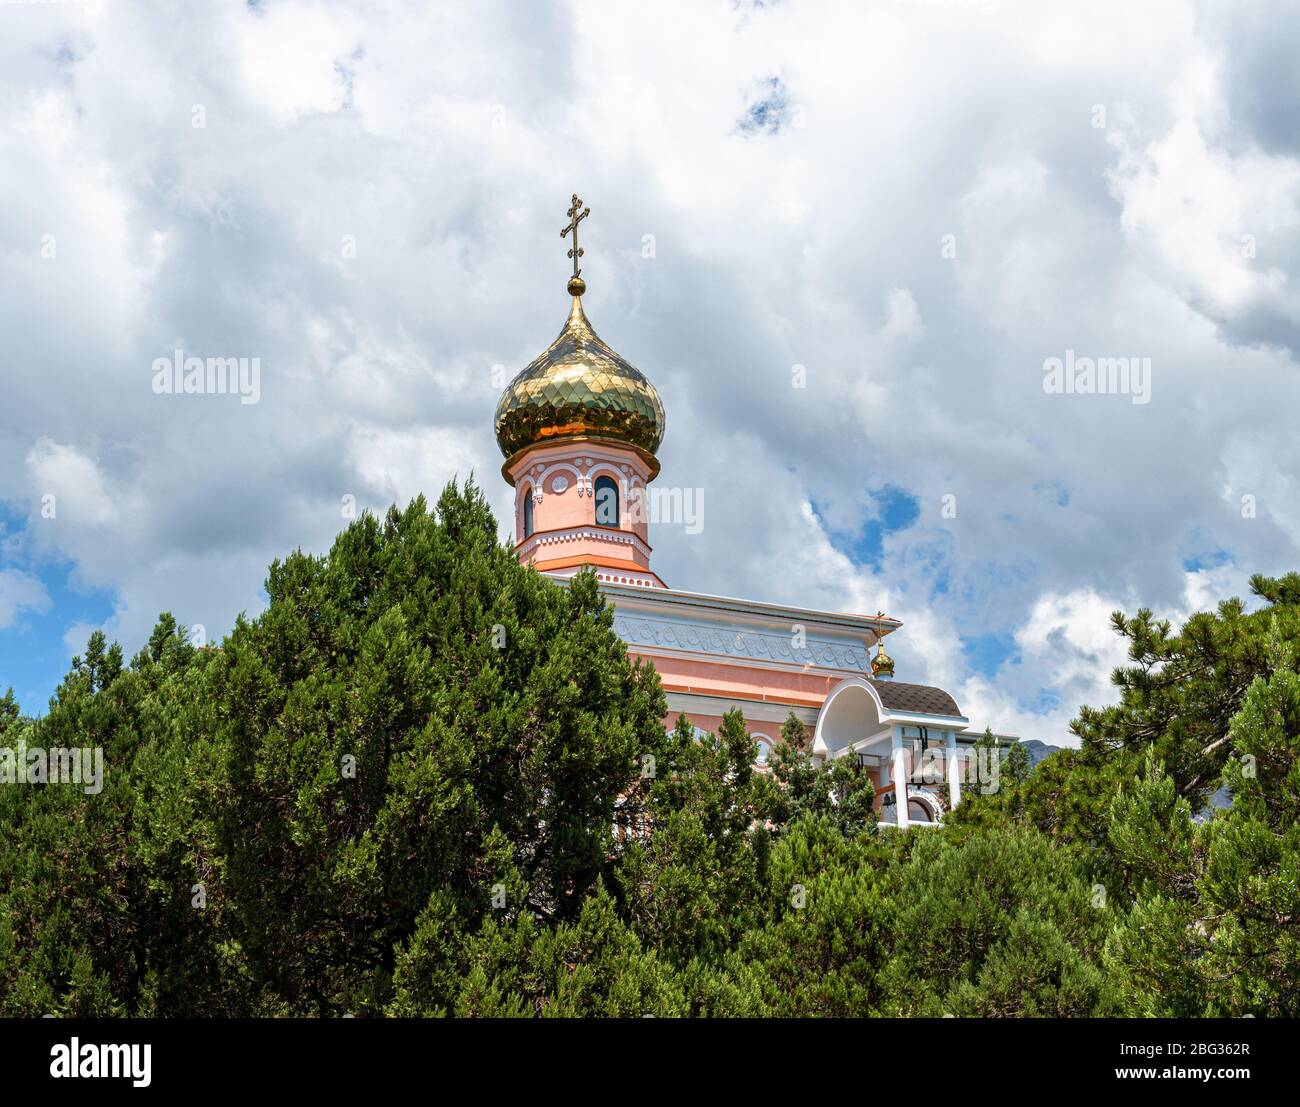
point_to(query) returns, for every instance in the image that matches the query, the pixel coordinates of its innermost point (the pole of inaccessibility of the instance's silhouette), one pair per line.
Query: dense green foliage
(428, 781)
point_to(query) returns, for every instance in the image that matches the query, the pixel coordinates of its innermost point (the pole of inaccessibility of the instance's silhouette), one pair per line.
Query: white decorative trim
(625, 478)
(636, 580)
(584, 454)
(632, 578)
(583, 531)
(621, 537)
(923, 718)
(709, 638)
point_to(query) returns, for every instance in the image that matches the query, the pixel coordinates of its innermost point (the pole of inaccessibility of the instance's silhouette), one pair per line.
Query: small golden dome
(579, 388)
(882, 665)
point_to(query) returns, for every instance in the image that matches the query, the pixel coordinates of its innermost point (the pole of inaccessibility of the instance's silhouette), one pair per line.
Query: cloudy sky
(920, 204)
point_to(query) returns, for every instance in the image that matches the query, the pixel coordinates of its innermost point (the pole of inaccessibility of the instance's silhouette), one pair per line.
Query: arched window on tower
(606, 502)
(528, 512)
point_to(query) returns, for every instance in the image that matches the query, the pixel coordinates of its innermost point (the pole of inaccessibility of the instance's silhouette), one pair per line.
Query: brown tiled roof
(897, 696)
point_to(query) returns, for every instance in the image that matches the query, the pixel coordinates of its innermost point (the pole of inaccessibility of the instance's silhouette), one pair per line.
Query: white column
(954, 769)
(900, 776)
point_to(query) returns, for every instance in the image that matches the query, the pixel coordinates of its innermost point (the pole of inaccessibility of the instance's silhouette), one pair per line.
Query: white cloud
(397, 466)
(1217, 225)
(20, 592)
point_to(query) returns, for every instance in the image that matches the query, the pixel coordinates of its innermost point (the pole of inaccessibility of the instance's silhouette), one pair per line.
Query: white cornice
(697, 605)
(641, 578)
(584, 530)
(921, 718)
(642, 581)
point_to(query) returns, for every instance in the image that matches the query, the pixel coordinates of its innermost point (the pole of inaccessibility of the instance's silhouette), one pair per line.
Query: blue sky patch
(33, 656)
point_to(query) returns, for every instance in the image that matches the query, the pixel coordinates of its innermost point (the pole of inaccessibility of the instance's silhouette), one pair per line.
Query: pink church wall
(806, 689)
(566, 473)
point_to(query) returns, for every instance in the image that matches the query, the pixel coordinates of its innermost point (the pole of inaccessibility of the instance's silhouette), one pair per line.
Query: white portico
(914, 740)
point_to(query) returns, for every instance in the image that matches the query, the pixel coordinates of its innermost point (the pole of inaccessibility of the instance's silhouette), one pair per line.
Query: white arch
(541, 475)
(927, 800)
(630, 478)
(558, 466)
(852, 711)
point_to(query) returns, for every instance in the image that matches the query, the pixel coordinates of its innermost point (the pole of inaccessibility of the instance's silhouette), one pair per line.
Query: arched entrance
(850, 713)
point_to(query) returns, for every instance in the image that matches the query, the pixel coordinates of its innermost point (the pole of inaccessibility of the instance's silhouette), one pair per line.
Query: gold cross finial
(577, 213)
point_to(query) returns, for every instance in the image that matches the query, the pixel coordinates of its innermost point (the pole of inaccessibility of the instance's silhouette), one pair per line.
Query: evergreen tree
(690, 884)
(1182, 689)
(819, 947)
(401, 700)
(428, 781)
(840, 790)
(1215, 927)
(993, 924)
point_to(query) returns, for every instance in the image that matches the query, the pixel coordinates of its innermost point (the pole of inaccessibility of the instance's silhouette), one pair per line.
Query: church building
(580, 427)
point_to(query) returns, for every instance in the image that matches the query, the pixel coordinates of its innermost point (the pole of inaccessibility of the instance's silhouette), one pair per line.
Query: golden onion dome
(882, 665)
(579, 389)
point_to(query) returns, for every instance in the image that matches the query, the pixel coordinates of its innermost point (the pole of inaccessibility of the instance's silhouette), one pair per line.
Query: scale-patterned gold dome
(578, 389)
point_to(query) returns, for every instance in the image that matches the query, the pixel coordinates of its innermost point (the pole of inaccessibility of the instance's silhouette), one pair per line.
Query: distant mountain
(1041, 751)
(1038, 751)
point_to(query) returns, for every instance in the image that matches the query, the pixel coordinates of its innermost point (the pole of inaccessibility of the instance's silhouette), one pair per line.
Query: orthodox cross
(576, 214)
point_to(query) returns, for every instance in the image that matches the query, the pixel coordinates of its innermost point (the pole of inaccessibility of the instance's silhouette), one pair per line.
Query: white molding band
(581, 531)
(759, 711)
